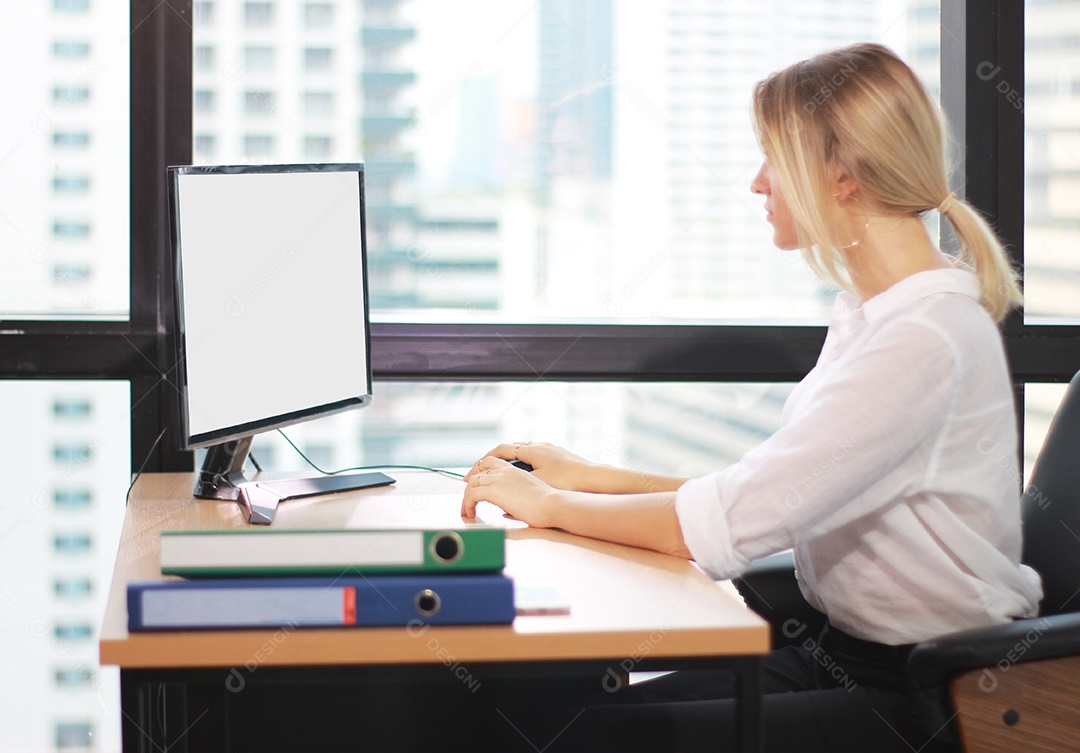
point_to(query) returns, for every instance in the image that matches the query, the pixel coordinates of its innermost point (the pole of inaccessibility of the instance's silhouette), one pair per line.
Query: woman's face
(778, 213)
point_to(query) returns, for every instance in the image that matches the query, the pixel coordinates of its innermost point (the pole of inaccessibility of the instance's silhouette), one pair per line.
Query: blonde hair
(861, 109)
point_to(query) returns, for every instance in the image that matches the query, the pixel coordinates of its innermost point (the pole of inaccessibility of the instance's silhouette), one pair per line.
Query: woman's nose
(759, 183)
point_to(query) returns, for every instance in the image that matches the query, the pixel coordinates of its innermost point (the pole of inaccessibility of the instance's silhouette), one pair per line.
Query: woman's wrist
(549, 511)
(608, 479)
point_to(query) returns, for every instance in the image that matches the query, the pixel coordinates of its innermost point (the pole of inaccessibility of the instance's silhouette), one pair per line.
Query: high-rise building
(63, 230)
(296, 80)
(387, 116)
(64, 242)
(59, 528)
(276, 81)
(1051, 107)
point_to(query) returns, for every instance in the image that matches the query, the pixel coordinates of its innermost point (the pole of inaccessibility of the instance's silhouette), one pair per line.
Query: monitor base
(222, 477)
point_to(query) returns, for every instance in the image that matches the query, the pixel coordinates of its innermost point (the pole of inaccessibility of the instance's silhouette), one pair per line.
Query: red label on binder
(350, 606)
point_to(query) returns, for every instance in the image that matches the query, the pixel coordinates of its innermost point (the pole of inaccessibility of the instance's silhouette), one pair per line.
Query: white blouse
(893, 475)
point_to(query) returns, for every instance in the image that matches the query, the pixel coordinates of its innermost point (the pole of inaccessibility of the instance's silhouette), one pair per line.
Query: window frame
(140, 349)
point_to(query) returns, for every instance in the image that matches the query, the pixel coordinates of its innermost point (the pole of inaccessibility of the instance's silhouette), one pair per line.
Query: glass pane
(64, 160)
(1040, 403)
(67, 464)
(680, 429)
(1051, 106)
(564, 160)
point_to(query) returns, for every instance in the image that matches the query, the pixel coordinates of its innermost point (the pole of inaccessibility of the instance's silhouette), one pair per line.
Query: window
(72, 543)
(71, 273)
(73, 454)
(70, 95)
(443, 134)
(57, 532)
(71, 50)
(318, 105)
(685, 428)
(74, 736)
(453, 156)
(73, 588)
(73, 677)
(205, 99)
(71, 184)
(258, 147)
(72, 499)
(318, 147)
(68, 409)
(320, 454)
(318, 15)
(71, 6)
(1041, 402)
(264, 452)
(1050, 102)
(259, 59)
(259, 102)
(318, 59)
(258, 15)
(71, 139)
(205, 11)
(70, 230)
(73, 631)
(204, 57)
(205, 148)
(444, 130)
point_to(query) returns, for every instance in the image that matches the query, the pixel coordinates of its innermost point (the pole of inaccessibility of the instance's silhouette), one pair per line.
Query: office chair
(1006, 687)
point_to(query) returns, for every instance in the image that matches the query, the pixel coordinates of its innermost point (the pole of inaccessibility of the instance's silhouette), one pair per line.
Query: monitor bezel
(185, 439)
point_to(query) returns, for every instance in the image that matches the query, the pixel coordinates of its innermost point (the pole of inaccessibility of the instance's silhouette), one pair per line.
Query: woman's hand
(565, 470)
(553, 465)
(644, 520)
(517, 492)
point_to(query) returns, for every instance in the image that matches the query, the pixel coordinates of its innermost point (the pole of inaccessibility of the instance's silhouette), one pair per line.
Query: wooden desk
(630, 609)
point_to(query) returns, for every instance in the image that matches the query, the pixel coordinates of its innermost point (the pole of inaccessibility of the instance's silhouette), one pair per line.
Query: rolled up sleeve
(705, 528)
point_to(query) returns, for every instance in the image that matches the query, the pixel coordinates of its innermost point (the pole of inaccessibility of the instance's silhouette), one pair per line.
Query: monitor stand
(222, 477)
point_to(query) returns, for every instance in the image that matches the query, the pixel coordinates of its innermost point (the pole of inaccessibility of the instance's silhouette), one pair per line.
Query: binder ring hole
(428, 602)
(447, 547)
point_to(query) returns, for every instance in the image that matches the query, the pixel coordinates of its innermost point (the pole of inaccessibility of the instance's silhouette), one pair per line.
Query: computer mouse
(522, 465)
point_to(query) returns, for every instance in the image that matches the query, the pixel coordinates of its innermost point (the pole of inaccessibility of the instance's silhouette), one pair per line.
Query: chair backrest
(1051, 509)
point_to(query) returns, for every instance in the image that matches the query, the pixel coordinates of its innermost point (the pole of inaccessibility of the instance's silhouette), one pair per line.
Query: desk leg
(150, 711)
(175, 716)
(748, 671)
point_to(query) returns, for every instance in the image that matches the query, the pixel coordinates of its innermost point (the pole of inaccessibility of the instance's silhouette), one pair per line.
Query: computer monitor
(270, 279)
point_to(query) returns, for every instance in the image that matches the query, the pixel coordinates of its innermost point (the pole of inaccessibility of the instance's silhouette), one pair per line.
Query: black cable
(367, 467)
(146, 460)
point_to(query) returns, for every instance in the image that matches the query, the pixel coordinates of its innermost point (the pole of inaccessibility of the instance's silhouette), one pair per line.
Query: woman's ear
(844, 186)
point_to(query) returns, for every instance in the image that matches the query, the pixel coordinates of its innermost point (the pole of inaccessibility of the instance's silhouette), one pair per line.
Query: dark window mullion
(161, 135)
(602, 352)
(982, 50)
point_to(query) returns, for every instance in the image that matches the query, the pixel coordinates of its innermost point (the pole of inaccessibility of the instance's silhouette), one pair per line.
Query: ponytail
(982, 251)
(880, 124)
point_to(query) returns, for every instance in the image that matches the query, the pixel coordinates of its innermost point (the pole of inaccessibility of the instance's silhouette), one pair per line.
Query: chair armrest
(932, 663)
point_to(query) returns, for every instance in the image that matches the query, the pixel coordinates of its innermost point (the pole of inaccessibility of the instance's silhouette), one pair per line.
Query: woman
(905, 526)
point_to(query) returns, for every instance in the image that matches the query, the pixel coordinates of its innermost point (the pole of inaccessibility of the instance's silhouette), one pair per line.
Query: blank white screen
(273, 294)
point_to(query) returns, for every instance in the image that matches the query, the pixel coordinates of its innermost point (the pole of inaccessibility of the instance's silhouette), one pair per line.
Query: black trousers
(831, 693)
